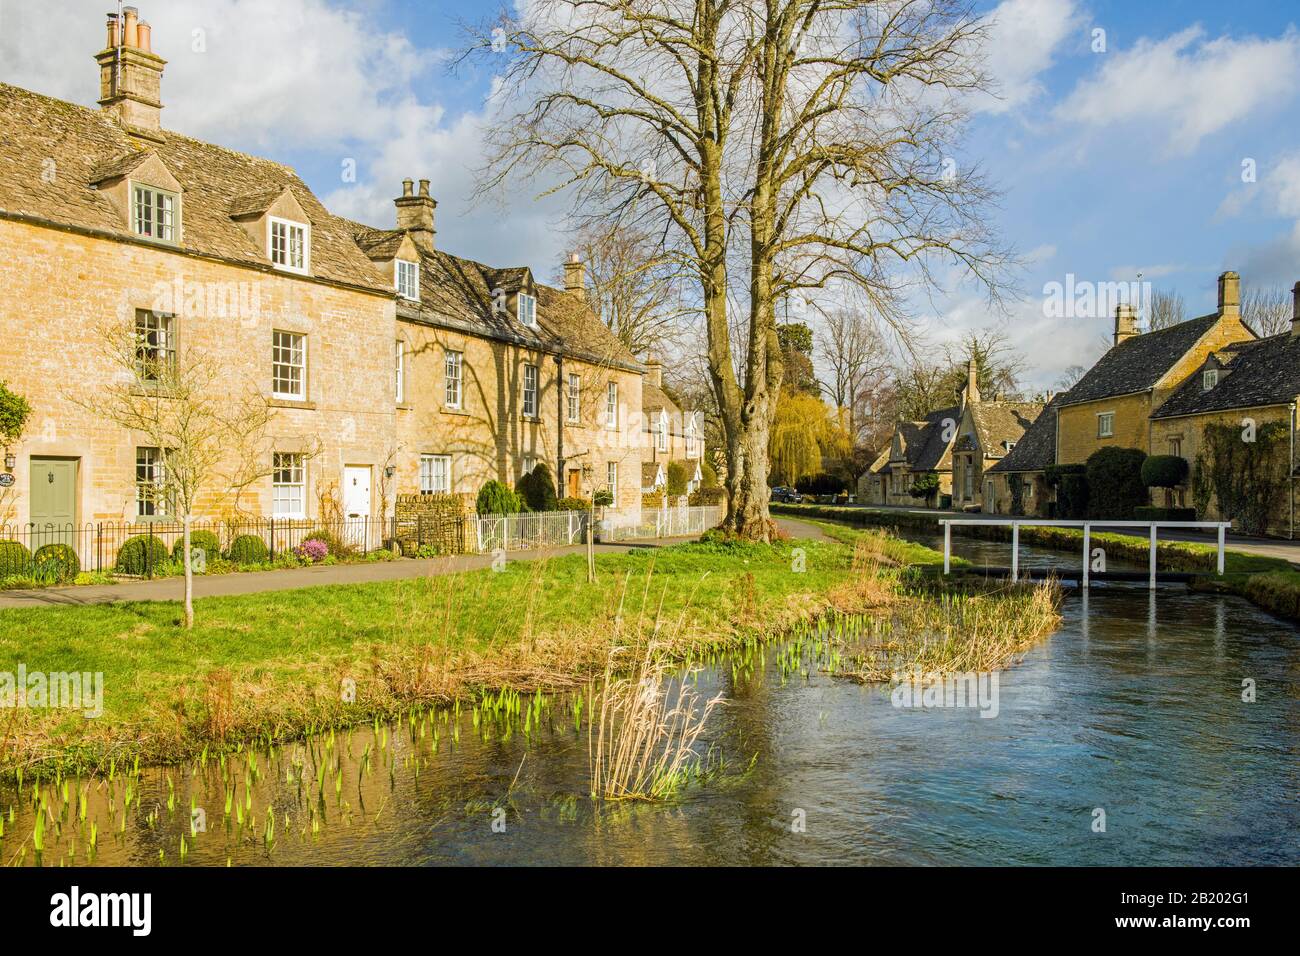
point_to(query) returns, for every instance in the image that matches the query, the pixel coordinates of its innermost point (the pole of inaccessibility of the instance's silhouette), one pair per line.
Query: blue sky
(1111, 163)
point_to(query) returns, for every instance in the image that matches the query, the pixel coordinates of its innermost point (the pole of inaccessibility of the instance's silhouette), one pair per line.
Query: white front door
(356, 502)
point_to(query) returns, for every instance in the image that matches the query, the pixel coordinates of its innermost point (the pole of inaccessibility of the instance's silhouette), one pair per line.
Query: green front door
(54, 500)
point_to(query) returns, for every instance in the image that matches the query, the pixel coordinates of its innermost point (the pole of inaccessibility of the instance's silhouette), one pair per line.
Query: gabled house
(1244, 386)
(391, 365)
(1112, 404)
(668, 433)
(1020, 473)
(987, 432)
(917, 449)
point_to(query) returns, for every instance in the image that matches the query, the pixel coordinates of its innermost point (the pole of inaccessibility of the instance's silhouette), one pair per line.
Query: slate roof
(1254, 374)
(86, 146)
(1000, 423)
(456, 293)
(923, 446)
(1036, 448)
(1136, 364)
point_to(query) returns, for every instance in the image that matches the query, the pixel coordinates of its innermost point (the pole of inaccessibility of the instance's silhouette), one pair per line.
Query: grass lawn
(276, 663)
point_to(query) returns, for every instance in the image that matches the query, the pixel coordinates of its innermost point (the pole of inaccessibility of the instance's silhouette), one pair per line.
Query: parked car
(786, 495)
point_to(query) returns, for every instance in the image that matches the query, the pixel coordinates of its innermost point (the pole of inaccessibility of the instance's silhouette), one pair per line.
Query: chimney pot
(415, 213)
(143, 32)
(1229, 294)
(132, 26)
(114, 36)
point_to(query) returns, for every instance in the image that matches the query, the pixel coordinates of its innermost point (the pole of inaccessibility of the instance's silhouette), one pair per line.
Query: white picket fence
(555, 529)
(670, 522)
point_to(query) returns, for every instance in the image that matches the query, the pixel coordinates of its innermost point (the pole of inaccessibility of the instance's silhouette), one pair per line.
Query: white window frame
(661, 432)
(611, 480)
(575, 397)
(288, 265)
(526, 309)
(399, 360)
(164, 207)
(148, 505)
(527, 464)
(155, 343)
(301, 341)
(1209, 379)
(611, 405)
(530, 391)
(1105, 424)
(435, 471)
(453, 365)
(288, 484)
(1029, 487)
(691, 450)
(406, 279)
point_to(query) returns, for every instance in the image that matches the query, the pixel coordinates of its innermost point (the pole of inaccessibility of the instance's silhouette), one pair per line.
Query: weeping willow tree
(1243, 473)
(801, 429)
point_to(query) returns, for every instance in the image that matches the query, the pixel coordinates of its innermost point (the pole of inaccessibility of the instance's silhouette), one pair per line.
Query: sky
(1128, 138)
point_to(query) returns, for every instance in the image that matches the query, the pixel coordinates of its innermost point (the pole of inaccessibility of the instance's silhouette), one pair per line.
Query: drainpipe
(560, 477)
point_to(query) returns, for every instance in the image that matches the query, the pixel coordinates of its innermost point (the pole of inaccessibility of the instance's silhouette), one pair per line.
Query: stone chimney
(972, 382)
(1295, 309)
(415, 213)
(130, 75)
(1229, 294)
(1125, 323)
(654, 370)
(575, 276)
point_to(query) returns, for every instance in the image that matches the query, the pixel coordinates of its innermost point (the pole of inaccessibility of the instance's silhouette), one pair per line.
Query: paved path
(1282, 548)
(256, 582)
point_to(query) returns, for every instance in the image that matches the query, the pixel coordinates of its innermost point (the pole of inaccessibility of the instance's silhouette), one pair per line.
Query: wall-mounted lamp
(389, 471)
(11, 461)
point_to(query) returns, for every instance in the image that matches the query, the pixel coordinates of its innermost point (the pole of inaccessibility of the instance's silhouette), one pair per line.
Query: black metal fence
(99, 545)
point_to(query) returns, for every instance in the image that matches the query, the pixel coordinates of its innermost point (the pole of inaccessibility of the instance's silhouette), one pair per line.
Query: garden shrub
(707, 495)
(708, 475)
(574, 504)
(248, 549)
(603, 498)
(822, 484)
(537, 488)
(1072, 492)
(1115, 485)
(679, 478)
(206, 541)
(58, 561)
(494, 498)
(313, 549)
(142, 554)
(333, 544)
(1164, 471)
(15, 559)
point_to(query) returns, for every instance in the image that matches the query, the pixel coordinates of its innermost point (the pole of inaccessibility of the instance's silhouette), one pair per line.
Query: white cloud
(1186, 86)
(1024, 37)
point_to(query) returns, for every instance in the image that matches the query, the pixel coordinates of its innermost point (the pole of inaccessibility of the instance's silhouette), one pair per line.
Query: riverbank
(1271, 583)
(274, 666)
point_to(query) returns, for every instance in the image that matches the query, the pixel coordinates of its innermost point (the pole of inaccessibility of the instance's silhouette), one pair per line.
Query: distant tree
(796, 340)
(1070, 377)
(800, 429)
(635, 289)
(1164, 310)
(1266, 309)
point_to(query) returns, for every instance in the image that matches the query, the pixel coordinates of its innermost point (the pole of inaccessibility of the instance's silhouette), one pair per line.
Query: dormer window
(527, 310)
(1209, 379)
(289, 250)
(153, 213)
(407, 278)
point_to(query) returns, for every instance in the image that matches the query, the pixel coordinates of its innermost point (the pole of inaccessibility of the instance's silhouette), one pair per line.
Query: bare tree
(633, 286)
(210, 437)
(1070, 377)
(1164, 309)
(855, 357)
(1266, 309)
(777, 147)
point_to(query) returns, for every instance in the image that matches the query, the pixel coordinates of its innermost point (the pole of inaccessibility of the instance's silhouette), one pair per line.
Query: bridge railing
(1087, 526)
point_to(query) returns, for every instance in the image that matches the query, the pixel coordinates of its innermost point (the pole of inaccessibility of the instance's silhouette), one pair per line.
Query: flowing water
(1132, 714)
